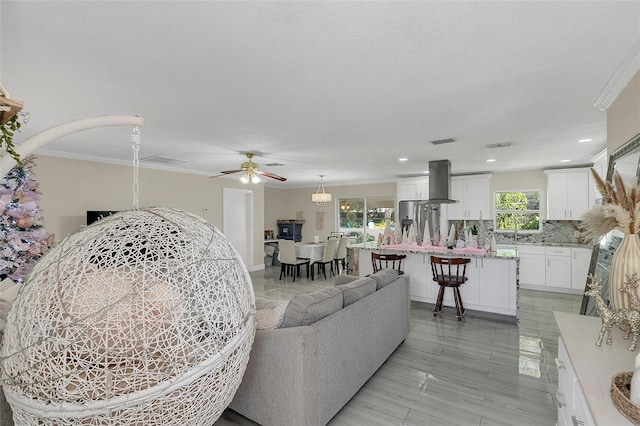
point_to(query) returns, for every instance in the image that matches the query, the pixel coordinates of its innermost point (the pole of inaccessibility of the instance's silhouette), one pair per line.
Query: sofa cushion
(385, 277)
(356, 290)
(269, 313)
(344, 279)
(307, 308)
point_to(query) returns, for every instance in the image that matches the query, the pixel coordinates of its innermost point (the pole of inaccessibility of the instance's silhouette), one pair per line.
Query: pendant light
(321, 197)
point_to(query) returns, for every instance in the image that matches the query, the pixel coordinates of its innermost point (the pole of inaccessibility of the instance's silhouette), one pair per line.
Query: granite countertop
(543, 244)
(501, 253)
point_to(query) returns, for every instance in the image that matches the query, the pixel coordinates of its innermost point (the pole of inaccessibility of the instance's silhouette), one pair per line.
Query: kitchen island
(492, 286)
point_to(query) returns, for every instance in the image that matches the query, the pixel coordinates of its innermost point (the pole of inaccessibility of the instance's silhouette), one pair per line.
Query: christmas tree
(23, 239)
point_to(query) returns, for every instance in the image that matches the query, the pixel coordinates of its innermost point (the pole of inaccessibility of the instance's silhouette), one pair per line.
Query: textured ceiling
(336, 88)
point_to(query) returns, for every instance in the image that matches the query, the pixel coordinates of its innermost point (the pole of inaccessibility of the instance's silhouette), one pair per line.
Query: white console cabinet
(567, 193)
(473, 196)
(585, 371)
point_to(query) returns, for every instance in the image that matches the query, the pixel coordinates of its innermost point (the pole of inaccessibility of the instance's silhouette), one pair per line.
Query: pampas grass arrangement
(621, 209)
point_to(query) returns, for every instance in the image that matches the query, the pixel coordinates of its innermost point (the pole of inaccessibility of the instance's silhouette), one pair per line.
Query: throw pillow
(384, 277)
(307, 308)
(356, 290)
(269, 313)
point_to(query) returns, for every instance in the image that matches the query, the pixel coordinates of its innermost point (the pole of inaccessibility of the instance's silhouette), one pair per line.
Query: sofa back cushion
(356, 290)
(384, 277)
(344, 279)
(307, 308)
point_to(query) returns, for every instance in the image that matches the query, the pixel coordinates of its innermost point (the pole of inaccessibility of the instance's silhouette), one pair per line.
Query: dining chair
(327, 257)
(392, 261)
(289, 261)
(341, 254)
(449, 272)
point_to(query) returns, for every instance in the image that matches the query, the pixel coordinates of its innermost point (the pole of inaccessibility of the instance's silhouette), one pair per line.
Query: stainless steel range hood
(440, 182)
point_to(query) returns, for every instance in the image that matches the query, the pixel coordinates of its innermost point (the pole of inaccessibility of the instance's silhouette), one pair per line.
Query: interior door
(238, 220)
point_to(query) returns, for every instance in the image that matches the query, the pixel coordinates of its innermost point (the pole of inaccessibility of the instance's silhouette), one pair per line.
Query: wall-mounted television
(95, 215)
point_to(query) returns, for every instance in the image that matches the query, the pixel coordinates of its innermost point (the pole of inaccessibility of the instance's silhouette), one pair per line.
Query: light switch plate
(576, 234)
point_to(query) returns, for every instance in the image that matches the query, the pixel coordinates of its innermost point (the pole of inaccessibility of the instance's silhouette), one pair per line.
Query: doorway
(238, 222)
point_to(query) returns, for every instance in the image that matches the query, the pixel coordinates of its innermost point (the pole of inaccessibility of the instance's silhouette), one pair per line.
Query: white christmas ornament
(145, 317)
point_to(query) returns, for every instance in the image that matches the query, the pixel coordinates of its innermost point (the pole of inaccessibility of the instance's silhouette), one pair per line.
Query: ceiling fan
(251, 171)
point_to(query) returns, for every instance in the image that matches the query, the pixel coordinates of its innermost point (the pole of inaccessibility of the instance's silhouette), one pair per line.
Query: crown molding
(620, 78)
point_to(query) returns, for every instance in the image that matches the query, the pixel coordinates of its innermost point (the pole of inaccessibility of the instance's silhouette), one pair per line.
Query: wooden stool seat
(449, 272)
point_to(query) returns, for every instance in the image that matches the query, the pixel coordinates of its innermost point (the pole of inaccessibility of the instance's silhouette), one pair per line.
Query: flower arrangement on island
(620, 211)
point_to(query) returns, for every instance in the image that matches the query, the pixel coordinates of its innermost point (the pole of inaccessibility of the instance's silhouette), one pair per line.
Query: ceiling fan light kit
(251, 173)
(321, 197)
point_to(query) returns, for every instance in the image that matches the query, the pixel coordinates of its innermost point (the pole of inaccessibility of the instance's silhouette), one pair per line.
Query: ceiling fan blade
(270, 175)
(226, 172)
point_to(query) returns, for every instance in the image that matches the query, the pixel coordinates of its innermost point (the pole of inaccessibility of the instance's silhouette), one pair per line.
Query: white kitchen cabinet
(413, 189)
(532, 265)
(567, 193)
(473, 196)
(580, 262)
(558, 267)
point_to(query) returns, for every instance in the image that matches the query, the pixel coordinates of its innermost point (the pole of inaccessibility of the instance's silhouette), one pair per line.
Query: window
(518, 211)
(363, 219)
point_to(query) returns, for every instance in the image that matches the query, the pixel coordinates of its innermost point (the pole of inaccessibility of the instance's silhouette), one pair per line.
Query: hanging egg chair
(145, 317)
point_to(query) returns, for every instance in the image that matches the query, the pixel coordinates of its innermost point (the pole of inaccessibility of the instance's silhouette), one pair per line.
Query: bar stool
(449, 272)
(393, 261)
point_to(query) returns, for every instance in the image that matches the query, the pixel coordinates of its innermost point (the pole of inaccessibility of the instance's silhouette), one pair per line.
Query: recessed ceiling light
(564, 161)
(491, 160)
(426, 172)
(585, 140)
(403, 159)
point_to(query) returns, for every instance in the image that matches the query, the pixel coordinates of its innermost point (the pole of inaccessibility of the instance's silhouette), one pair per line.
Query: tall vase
(626, 260)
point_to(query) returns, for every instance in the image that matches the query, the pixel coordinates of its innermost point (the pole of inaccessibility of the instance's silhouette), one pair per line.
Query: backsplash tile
(553, 232)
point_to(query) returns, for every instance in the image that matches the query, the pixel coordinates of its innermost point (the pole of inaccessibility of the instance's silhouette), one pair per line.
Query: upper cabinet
(413, 188)
(473, 196)
(567, 193)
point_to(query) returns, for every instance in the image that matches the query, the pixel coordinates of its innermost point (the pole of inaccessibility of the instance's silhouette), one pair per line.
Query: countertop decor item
(620, 395)
(144, 317)
(621, 212)
(627, 319)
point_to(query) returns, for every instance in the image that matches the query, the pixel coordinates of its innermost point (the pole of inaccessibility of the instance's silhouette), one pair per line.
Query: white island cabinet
(491, 287)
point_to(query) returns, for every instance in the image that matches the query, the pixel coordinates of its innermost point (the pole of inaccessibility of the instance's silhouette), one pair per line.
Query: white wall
(623, 116)
(71, 187)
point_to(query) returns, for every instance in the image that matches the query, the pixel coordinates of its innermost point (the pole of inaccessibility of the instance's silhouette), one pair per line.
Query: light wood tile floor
(473, 372)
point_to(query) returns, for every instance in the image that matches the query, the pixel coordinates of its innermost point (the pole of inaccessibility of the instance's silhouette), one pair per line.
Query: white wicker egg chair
(144, 318)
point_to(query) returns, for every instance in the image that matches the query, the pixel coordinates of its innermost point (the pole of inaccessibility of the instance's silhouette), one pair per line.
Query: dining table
(311, 251)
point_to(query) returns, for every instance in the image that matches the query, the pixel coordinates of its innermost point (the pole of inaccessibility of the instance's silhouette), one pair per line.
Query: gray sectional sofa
(330, 342)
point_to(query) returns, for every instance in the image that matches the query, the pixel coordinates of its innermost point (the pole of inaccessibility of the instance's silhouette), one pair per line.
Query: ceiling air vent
(443, 141)
(499, 145)
(274, 164)
(163, 160)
